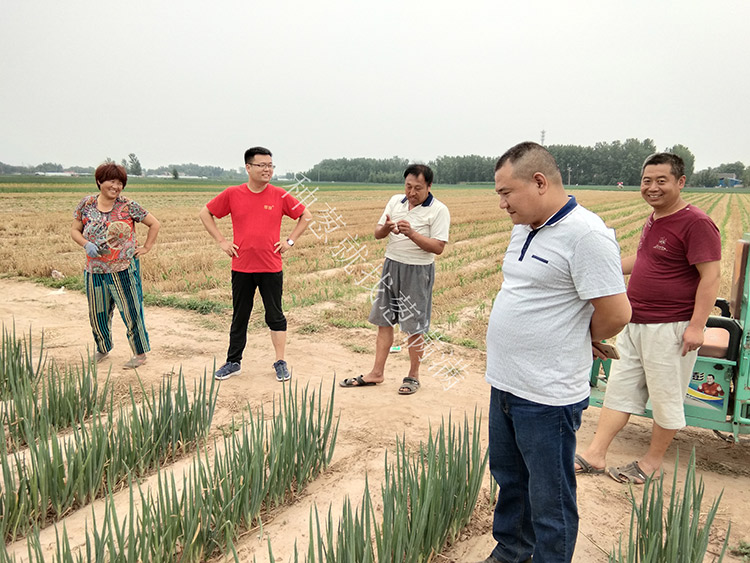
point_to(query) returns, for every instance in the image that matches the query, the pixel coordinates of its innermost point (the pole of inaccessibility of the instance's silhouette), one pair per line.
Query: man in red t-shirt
(674, 279)
(256, 208)
(710, 387)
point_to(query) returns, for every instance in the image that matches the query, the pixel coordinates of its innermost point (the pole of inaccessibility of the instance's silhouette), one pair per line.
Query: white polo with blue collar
(431, 219)
(538, 338)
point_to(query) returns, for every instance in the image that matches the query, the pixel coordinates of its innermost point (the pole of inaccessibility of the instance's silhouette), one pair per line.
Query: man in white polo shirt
(417, 227)
(562, 289)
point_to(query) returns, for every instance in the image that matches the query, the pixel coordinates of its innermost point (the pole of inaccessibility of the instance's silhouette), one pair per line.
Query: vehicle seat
(715, 343)
(722, 339)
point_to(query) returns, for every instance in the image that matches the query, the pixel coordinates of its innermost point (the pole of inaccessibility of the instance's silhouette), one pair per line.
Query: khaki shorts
(651, 365)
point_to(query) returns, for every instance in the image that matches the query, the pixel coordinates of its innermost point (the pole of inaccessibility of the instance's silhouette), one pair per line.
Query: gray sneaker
(227, 370)
(282, 372)
(135, 362)
(99, 357)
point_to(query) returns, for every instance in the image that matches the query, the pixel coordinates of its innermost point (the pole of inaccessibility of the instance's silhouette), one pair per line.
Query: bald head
(527, 159)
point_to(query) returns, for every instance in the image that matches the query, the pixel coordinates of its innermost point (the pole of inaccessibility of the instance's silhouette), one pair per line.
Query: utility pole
(569, 169)
(542, 142)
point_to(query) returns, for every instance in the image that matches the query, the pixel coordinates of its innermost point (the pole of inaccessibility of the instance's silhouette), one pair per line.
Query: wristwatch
(290, 242)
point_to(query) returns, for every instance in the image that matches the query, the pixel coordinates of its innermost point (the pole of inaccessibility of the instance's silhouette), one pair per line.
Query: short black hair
(252, 151)
(675, 163)
(527, 159)
(418, 169)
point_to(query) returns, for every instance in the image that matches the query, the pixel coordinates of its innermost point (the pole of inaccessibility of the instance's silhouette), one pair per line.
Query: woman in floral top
(104, 225)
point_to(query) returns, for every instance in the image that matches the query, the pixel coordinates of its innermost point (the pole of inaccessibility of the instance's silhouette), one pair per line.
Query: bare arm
(627, 265)
(153, 229)
(611, 314)
(299, 228)
(209, 222)
(76, 233)
(705, 297)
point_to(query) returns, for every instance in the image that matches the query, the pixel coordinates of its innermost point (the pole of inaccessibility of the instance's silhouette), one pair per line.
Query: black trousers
(244, 285)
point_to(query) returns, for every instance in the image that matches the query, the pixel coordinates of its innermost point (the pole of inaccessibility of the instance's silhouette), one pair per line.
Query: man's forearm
(627, 265)
(209, 223)
(705, 299)
(301, 225)
(611, 314)
(428, 244)
(706, 292)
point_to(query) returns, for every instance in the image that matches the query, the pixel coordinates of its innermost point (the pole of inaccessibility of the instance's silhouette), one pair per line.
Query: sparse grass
(344, 323)
(742, 550)
(203, 306)
(358, 349)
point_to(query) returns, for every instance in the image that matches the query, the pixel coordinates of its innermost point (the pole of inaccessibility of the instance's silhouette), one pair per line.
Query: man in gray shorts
(417, 227)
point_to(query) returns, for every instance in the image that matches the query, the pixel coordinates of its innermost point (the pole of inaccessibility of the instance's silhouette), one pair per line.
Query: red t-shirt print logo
(662, 245)
(268, 207)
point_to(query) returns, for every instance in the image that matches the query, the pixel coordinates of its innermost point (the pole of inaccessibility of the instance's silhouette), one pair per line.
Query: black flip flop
(358, 381)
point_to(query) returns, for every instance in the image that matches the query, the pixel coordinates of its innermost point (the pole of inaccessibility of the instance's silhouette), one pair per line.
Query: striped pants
(123, 289)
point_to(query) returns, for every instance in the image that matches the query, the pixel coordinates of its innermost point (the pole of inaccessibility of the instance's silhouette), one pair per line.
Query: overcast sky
(198, 81)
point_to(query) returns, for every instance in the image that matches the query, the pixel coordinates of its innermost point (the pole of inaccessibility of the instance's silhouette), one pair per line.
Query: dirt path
(371, 418)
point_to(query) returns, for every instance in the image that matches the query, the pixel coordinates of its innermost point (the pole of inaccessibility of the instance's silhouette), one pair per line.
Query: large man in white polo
(562, 289)
(417, 226)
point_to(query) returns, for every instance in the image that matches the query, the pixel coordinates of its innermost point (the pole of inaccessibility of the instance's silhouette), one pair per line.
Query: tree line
(600, 165)
(134, 168)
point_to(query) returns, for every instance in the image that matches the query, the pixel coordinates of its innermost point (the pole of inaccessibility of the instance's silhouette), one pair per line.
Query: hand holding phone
(605, 351)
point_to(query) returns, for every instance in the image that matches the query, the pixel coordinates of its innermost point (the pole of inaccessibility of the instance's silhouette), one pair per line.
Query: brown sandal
(409, 386)
(630, 473)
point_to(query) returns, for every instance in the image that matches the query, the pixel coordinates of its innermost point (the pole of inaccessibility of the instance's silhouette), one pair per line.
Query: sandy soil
(370, 419)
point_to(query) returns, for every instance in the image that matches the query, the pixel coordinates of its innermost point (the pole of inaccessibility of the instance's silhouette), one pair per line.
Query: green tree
(737, 168)
(175, 173)
(704, 178)
(685, 154)
(134, 165)
(48, 167)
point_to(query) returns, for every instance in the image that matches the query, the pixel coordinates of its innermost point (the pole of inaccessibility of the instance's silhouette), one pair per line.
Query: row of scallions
(668, 533)
(60, 398)
(17, 361)
(56, 475)
(428, 497)
(227, 490)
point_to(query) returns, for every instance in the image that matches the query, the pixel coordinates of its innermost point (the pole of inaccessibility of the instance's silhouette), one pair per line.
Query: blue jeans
(532, 458)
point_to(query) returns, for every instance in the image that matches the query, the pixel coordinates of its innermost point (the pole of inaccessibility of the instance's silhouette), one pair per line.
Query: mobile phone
(608, 350)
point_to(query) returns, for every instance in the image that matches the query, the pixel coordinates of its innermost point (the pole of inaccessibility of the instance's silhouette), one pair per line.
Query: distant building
(728, 180)
(66, 173)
